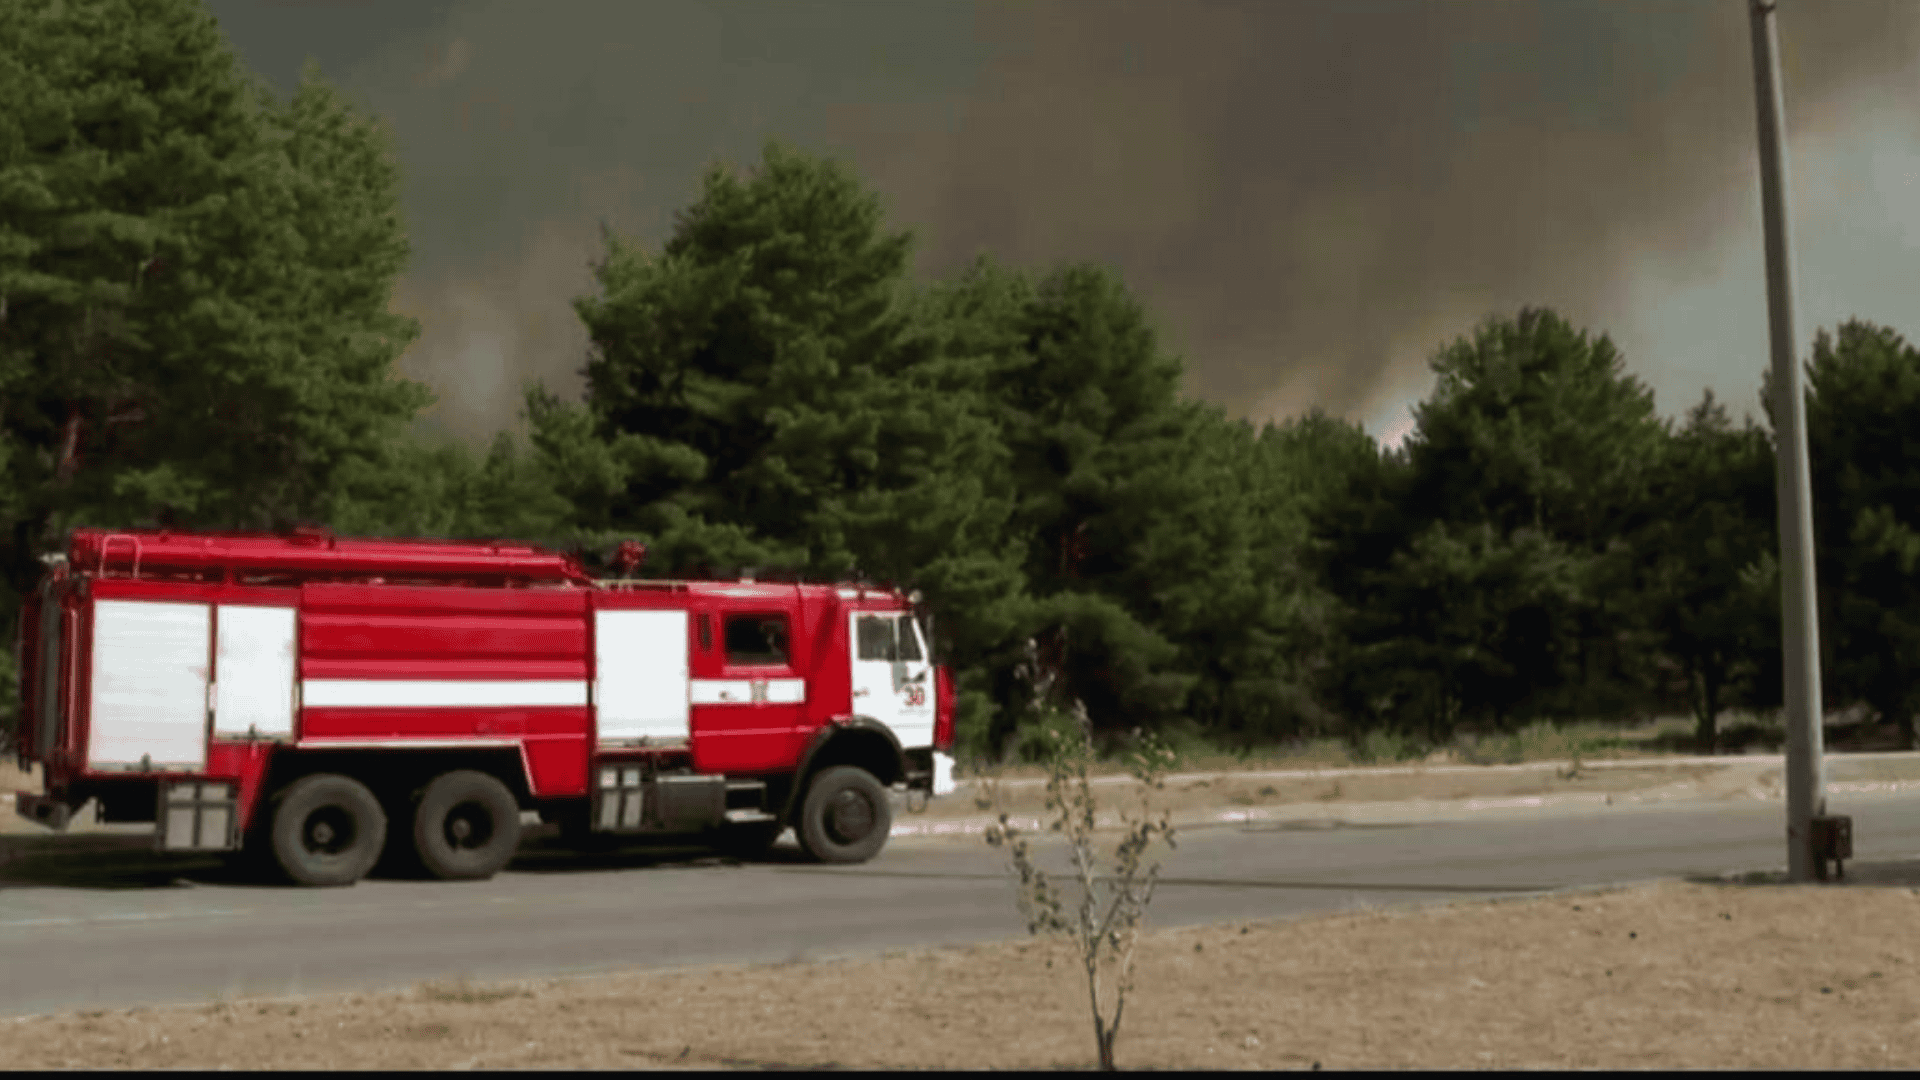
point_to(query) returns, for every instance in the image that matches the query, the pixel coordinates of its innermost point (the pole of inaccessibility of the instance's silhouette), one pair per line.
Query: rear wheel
(466, 827)
(327, 830)
(845, 817)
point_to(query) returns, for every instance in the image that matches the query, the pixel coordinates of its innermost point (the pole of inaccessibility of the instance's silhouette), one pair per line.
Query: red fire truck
(323, 702)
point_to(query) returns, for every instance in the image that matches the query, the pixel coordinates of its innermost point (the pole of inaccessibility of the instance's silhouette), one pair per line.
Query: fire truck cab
(326, 704)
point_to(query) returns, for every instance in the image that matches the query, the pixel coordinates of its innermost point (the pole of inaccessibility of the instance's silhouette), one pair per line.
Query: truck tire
(327, 830)
(845, 817)
(466, 827)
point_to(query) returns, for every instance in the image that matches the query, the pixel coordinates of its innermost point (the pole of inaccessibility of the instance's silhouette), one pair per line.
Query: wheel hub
(328, 832)
(849, 817)
(468, 826)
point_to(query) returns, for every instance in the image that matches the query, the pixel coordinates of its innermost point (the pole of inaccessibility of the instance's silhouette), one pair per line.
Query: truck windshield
(909, 641)
(888, 637)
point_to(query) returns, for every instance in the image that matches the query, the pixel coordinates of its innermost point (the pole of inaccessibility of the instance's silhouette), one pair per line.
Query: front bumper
(933, 777)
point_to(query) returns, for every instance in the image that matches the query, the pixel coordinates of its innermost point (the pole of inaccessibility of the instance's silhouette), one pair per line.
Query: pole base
(1831, 839)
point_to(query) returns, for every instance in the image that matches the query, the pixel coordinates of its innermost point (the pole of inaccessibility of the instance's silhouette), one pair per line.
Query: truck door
(892, 679)
(747, 693)
(149, 686)
(642, 675)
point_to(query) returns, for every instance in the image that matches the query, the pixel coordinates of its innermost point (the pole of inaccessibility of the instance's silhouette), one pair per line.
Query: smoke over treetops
(1312, 196)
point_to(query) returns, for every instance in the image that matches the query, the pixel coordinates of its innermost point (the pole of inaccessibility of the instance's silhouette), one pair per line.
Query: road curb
(1333, 815)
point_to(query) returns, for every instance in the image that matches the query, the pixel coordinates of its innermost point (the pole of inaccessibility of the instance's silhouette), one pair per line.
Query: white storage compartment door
(640, 660)
(149, 685)
(253, 671)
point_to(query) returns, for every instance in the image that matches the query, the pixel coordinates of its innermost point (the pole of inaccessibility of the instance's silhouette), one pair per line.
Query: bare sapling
(1103, 927)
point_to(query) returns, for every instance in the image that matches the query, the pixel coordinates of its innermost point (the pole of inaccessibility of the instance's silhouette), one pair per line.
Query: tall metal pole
(1800, 628)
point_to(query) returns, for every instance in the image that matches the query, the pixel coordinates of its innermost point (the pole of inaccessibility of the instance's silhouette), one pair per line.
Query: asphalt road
(115, 926)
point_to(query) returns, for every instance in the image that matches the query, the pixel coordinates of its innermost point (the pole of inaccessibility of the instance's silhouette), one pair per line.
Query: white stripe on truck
(521, 693)
(740, 691)
(442, 693)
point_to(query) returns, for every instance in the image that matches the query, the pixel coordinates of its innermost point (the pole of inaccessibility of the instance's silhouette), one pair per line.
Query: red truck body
(215, 683)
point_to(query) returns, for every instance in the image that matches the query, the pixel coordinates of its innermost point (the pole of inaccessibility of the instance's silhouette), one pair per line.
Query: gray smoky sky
(1311, 196)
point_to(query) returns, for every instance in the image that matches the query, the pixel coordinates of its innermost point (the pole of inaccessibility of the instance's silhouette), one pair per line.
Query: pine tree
(1528, 467)
(1706, 562)
(1863, 433)
(767, 392)
(193, 281)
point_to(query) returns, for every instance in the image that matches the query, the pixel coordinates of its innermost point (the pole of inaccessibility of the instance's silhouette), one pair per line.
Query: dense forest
(195, 332)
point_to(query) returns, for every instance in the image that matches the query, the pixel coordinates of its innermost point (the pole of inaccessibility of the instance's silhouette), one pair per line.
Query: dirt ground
(1678, 975)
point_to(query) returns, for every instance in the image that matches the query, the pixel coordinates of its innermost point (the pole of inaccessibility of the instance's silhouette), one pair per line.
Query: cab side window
(876, 638)
(756, 639)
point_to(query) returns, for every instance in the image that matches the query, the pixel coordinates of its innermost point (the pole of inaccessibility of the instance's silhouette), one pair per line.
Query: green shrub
(1386, 747)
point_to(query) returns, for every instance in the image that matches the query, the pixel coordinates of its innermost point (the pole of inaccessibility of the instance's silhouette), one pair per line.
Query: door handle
(861, 693)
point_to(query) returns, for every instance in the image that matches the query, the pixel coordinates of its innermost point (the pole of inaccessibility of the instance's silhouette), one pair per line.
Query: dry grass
(1230, 791)
(1669, 976)
(1592, 741)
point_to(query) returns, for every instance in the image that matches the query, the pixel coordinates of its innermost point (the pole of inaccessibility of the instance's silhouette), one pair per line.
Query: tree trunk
(1706, 734)
(69, 460)
(1890, 703)
(1103, 1032)
(1103, 1039)
(1073, 550)
(1696, 704)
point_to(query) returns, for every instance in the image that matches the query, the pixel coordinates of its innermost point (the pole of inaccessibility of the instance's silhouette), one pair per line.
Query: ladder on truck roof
(307, 555)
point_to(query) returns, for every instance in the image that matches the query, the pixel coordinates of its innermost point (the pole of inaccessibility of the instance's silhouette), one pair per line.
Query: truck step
(746, 795)
(749, 817)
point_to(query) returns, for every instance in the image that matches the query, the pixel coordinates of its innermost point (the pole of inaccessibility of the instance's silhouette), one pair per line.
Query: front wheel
(466, 827)
(327, 830)
(846, 816)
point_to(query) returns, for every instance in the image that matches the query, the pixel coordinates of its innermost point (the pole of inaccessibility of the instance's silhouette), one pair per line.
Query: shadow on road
(547, 855)
(96, 862)
(108, 862)
(1888, 873)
